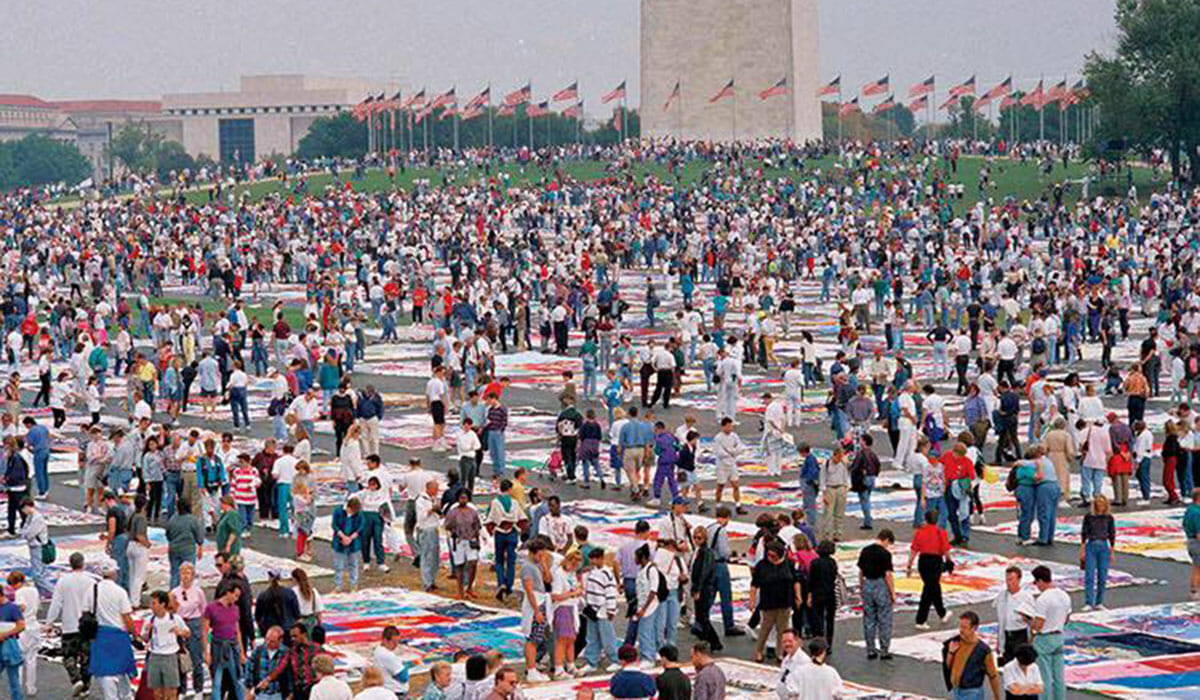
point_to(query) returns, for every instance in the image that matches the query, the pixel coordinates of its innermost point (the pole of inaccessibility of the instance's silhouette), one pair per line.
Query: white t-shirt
(818, 682)
(435, 389)
(376, 693)
(467, 443)
(393, 670)
(1013, 674)
(162, 640)
(112, 604)
(1052, 605)
(284, 469)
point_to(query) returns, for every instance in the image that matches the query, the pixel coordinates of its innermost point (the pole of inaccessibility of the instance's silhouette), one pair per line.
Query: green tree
(338, 136)
(170, 156)
(1149, 90)
(41, 160)
(135, 146)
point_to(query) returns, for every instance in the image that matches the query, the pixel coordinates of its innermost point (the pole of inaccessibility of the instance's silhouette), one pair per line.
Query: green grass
(256, 312)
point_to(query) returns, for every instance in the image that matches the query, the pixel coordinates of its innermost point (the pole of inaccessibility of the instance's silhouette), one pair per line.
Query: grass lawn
(293, 314)
(1009, 178)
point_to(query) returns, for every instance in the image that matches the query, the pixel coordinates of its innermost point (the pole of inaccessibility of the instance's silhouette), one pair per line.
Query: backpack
(662, 591)
(1039, 346)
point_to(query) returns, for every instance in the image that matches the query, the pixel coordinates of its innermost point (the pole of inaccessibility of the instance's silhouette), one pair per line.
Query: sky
(83, 49)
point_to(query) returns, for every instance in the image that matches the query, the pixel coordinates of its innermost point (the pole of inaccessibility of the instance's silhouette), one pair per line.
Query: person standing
(504, 521)
(718, 542)
(494, 429)
(709, 683)
(164, 634)
(835, 480)
(931, 550)
(1013, 629)
(878, 594)
(429, 517)
(600, 609)
(1191, 531)
(347, 543)
(111, 657)
(1051, 609)
(189, 602)
(728, 447)
(969, 661)
(1098, 541)
(822, 591)
(25, 596)
(863, 471)
(11, 659)
(649, 582)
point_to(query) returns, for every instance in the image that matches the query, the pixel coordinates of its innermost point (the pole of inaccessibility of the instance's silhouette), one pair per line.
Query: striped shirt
(244, 485)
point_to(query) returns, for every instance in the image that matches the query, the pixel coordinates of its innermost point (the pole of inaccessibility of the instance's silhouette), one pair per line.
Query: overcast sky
(144, 48)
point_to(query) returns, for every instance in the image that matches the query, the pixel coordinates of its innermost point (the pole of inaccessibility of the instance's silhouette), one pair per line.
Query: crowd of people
(980, 341)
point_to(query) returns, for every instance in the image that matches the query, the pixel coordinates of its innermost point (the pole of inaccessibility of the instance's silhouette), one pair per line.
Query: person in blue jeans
(718, 540)
(866, 467)
(504, 520)
(970, 662)
(1046, 496)
(810, 478)
(649, 609)
(10, 651)
(600, 598)
(1098, 537)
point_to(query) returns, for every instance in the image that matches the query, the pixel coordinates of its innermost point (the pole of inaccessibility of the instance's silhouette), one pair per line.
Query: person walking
(347, 544)
(930, 548)
(27, 599)
(835, 480)
(774, 595)
(74, 593)
(969, 661)
(429, 518)
(189, 602)
(703, 580)
(878, 594)
(505, 519)
(822, 594)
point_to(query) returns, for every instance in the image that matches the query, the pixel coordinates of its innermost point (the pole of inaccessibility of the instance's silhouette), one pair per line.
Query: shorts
(1194, 551)
(635, 458)
(685, 478)
(463, 552)
(726, 473)
(162, 670)
(437, 409)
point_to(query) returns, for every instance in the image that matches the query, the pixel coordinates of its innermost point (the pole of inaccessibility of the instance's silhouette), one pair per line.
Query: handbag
(49, 552)
(89, 625)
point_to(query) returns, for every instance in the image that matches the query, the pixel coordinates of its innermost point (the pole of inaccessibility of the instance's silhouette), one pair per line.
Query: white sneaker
(947, 617)
(1099, 607)
(1143, 502)
(384, 568)
(1088, 608)
(535, 676)
(584, 670)
(921, 626)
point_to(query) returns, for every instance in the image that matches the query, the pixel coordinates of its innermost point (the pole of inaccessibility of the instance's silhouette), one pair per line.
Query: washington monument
(702, 45)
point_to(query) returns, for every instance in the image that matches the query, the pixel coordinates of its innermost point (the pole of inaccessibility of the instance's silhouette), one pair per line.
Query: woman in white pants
(25, 595)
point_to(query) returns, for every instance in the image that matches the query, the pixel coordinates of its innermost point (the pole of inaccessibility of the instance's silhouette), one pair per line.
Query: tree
(1149, 90)
(134, 146)
(170, 156)
(41, 160)
(340, 136)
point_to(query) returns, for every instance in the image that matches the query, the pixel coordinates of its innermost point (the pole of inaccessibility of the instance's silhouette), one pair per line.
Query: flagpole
(488, 106)
(839, 116)
(679, 111)
(623, 115)
(734, 81)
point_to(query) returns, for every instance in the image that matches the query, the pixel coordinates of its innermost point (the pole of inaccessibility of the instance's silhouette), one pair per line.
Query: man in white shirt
(1006, 352)
(435, 401)
(1013, 627)
(395, 671)
(72, 595)
(429, 517)
(664, 367)
(307, 408)
(25, 595)
(727, 446)
(775, 434)
(818, 680)
(1051, 610)
(113, 610)
(329, 687)
(794, 659)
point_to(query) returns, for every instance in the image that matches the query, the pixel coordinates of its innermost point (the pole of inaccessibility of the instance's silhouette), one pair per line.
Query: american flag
(362, 109)
(982, 103)
(924, 87)
(876, 88)
(672, 97)
(423, 113)
(507, 110)
(540, 109)
(379, 105)
(448, 112)
(417, 100)
(884, 106)
(833, 87)
(780, 88)
(724, 92)
(575, 111)
(849, 108)
(919, 104)
(1000, 90)
(470, 113)
(1058, 93)
(519, 96)
(570, 92)
(967, 87)
(950, 102)
(480, 100)
(1036, 98)
(617, 93)
(446, 98)
(616, 120)
(1009, 100)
